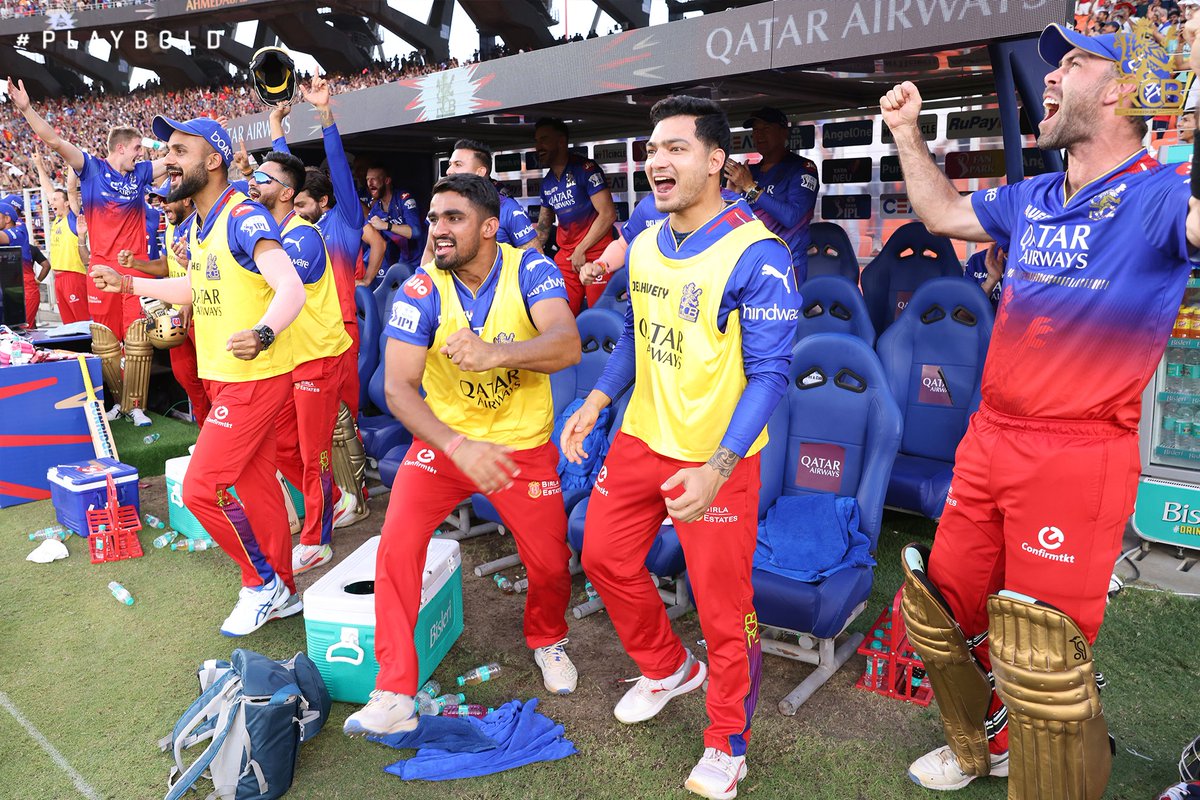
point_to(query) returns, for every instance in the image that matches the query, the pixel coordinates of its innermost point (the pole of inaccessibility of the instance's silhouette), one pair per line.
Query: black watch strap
(266, 336)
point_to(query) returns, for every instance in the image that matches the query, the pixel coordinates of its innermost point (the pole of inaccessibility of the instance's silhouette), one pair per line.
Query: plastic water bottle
(465, 710)
(151, 439)
(53, 532)
(1183, 428)
(430, 688)
(504, 583)
(155, 522)
(1175, 356)
(1191, 372)
(1169, 414)
(192, 545)
(165, 539)
(590, 591)
(120, 592)
(488, 671)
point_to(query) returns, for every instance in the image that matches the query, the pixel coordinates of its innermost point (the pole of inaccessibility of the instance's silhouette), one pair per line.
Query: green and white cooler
(181, 519)
(339, 618)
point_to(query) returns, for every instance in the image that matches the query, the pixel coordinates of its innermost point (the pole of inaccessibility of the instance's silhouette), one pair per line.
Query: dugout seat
(382, 433)
(616, 294)
(369, 328)
(832, 304)
(831, 252)
(911, 256)
(393, 277)
(838, 406)
(933, 356)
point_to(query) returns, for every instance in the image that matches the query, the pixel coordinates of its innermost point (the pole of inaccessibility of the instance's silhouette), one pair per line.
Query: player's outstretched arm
(44, 131)
(939, 205)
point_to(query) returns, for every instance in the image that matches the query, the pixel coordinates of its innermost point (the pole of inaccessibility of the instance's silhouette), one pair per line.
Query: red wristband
(126, 284)
(454, 444)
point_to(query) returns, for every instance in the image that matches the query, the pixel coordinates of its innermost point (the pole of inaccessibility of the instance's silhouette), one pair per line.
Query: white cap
(47, 551)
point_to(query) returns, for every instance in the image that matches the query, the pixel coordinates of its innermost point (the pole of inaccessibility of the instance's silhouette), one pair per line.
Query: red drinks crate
(893, 669)
(119, 538)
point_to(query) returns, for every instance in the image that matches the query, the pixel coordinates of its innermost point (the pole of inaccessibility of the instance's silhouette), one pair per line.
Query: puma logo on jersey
(784, 277)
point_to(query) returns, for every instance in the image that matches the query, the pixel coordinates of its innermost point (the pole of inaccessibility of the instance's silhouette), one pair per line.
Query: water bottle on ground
(120, 592)
(53, 532)
(1169, 414)
(504, 583)
(192, 545)
(165, 539)
(590, 591)
(488, 671)
(465, 710)
(151, 439)
(155, 522)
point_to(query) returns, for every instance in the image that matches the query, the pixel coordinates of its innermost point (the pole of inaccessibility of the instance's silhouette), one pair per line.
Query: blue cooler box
(74, 488)
(339, 618)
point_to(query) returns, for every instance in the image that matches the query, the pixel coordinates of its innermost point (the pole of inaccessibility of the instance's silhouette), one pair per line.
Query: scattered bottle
(165, 539)
(430, 688)
(590, 591)
(151, 439)
(120, 592)
(504, 583)
(479, 675)
(432, 706)
(192, 545)
(465, 710)
(53, 532)
(155, 522)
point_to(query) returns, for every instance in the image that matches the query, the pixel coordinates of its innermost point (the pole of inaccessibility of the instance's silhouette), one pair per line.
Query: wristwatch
(752, 193)
(266, 336)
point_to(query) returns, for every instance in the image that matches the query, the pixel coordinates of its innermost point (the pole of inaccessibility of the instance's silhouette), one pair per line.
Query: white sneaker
(348, 510)
(139, 418)
(256, 606)
(114, 413)
(939, 770)
(384, 713)
(558, 673)
(306, 557)
(716, 774)
(647, 697)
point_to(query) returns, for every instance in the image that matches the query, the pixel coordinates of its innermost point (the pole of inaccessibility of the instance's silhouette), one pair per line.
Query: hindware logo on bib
(933, 386)
(820, 466)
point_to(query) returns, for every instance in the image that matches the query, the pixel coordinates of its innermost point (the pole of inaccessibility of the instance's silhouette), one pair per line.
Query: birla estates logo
(820, 466)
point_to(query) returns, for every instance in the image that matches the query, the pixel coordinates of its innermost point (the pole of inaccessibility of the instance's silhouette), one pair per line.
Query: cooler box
(339, 618)
(74, 488)
(178, 515)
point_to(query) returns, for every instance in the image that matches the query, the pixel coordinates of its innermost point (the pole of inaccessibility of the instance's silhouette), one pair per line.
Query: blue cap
(14, 200)
(161, 191)
(207, 129)
(8, 210)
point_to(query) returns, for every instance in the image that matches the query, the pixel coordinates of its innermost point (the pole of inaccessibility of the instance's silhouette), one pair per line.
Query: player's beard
(1077, 120)
(457, 258)
(188, 184)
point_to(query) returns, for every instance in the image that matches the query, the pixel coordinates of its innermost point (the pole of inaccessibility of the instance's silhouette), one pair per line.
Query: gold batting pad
(105, 345)
(349, 459)
(138, 353)
(1057, 737)
(959, 684)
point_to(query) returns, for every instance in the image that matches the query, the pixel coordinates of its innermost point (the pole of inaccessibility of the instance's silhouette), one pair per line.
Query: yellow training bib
(64, 248)
(319, 331)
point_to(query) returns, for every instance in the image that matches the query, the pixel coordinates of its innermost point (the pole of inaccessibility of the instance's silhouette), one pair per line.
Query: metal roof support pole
(1019, 73)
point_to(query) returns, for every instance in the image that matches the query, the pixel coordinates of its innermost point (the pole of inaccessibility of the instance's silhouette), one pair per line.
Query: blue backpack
(254, 713)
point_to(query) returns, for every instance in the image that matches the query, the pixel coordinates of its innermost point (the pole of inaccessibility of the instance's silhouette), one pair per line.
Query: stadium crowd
(1096, 17)
(33, 8)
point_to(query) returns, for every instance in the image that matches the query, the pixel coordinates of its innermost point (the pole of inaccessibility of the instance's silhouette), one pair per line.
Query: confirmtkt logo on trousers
(1050, 539)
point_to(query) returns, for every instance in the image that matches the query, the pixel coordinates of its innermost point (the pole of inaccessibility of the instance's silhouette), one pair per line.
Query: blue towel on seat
(812, 536)
(522, 736)
(453, 734)
(581, 476)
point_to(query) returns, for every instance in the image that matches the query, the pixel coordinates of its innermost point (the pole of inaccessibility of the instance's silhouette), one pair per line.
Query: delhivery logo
(820, 466)
(934, 389)
(405, 317)
(1051, 539)
(784, 277)
(600, 481)
(1033, 213)
(418, 286)
(770, 314)
(689, 304)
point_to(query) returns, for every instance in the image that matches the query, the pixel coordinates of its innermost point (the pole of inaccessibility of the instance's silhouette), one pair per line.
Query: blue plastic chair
(910, 257)
(933, 356)
(616, 294)
(832, 304)
(369, 327)
(831, 252)
(393, 278)
(838, 406)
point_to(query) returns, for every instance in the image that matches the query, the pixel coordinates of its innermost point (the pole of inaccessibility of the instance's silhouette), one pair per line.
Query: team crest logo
(211, 271)
(535, 489)
(505, 338)
(1144, 72)
(751, 628)
(570, 184)
(1104, 205)
(689, 304)
(324, 460)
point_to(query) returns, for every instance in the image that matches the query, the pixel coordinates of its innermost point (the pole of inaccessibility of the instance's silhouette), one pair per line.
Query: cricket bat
(102, 438)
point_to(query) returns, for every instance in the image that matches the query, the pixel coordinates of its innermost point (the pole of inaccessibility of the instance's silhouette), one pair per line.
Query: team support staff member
(394, 214)
(479, 330)
(781, 188)
(1097, 260)
(245, 293)
(14, 234)
(70, 273)
(708, 366)
(575, 193)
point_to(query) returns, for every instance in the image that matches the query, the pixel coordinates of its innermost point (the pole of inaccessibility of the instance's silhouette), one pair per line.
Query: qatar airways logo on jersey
(1055, 246)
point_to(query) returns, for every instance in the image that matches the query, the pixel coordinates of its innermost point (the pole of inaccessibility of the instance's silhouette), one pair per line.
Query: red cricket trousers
(306, 439)
(237, 446)
(70, 292)
(184, 367)
(32, 296)
(623, 517)
(576, 291)
(350, 381)
(427, 488)
(1037, 507)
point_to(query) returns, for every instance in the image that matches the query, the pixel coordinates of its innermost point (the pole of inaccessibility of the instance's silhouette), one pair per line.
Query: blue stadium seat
(832, 304)
(393, 277)
(911, 256)
(838, 406)
(616, 294)
(933, 356)
(831, 252)
(369, 328)
(383, 432)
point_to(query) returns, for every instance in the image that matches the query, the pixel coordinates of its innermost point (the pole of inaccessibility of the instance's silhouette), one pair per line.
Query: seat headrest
(838, 360)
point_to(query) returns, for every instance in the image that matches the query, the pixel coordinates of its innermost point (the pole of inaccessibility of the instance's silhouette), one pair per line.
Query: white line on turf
(82, 785)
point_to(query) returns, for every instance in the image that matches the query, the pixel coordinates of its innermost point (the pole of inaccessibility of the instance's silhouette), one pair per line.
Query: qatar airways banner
(772, 35)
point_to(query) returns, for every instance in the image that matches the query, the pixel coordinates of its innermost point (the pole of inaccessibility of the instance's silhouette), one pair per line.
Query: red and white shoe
(716, 774)
(306, 557)
(648, 696)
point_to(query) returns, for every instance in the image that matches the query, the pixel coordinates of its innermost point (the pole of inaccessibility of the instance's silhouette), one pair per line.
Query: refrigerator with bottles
(1168, 496)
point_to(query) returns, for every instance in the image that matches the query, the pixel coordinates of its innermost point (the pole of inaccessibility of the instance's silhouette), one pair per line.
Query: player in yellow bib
(707, 344)
(70, 273)
(244, 293)
(480, 328)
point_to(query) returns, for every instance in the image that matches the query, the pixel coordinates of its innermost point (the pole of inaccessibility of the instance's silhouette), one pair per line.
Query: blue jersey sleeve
(250, 224)
(1165, 210)
(540, 279)
(415, 311)
(345, 196)
(72, 222)
(621, 367)
(241, 186)
(411, 215)
(997, 209)
(644, 213)
(280, 145)
(18, 237)
(144, 172)
(593, 177)
(307, 251)
(154, 245)
(763, 289)
(795, 198)
(515, 223)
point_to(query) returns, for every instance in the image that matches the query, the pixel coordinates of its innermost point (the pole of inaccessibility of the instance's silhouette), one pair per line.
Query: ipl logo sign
(1145, 73)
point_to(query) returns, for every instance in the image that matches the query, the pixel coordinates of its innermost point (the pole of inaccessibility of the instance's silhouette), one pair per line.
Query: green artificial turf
(102, 682)
(174, 439)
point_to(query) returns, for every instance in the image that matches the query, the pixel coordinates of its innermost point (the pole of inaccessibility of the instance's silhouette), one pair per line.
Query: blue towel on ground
(522, 736)
(452, 734)
(810, 537)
